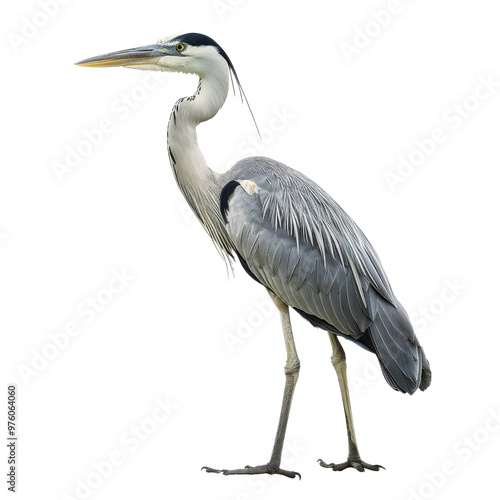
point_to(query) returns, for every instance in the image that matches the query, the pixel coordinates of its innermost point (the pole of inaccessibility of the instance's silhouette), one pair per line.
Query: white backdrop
(137, 359)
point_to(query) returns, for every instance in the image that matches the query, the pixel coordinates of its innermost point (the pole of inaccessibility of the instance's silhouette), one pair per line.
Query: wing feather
(296, 241)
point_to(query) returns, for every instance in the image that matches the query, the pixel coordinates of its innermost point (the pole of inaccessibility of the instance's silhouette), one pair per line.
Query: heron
(288, 234)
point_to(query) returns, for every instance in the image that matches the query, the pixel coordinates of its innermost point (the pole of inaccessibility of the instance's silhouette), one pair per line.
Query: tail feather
(425, 382)
(401, 357)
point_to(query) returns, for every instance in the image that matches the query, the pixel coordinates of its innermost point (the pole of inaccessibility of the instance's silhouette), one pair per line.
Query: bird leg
(353, 459)
(292, 367)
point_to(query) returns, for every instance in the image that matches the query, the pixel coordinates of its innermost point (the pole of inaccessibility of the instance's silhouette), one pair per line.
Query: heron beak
(149, 54)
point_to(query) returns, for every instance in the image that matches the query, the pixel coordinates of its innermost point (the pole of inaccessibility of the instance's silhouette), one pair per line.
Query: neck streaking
(198, 183)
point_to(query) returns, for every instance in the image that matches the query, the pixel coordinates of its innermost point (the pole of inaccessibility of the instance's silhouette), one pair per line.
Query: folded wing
(294, 239)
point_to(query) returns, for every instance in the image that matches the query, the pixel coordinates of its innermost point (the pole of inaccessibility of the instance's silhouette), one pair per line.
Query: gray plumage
(300, 244)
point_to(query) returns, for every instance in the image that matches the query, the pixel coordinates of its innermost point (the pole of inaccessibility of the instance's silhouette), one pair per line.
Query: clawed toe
(259, 469)
(355, 463)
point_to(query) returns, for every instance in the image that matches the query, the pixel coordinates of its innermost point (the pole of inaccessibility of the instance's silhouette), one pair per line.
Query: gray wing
(294, 239)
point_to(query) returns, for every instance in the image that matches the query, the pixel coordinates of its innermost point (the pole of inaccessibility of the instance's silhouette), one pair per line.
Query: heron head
(185, 53)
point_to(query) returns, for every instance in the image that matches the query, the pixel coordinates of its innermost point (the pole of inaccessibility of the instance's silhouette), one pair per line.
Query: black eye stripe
(199, 40)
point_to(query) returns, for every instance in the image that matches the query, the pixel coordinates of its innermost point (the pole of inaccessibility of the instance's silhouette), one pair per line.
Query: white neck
(197, 181)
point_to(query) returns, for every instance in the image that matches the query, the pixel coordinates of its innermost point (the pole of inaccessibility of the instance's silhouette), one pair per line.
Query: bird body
(288, 234)
(294, 239)
(298, 242)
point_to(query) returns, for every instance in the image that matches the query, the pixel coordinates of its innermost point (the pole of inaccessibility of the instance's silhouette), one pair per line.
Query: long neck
(198, 183)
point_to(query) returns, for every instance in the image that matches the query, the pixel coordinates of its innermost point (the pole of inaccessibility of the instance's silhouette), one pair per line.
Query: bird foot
(355, 463)
(259, 469)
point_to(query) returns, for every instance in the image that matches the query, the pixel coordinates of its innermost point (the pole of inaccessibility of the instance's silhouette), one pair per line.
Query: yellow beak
(149, 54)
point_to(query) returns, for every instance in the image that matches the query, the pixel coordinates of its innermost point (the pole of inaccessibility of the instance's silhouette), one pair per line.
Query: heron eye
(180, 47)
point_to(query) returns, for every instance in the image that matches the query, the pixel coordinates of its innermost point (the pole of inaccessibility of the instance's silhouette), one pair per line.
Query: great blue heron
(288, 234)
